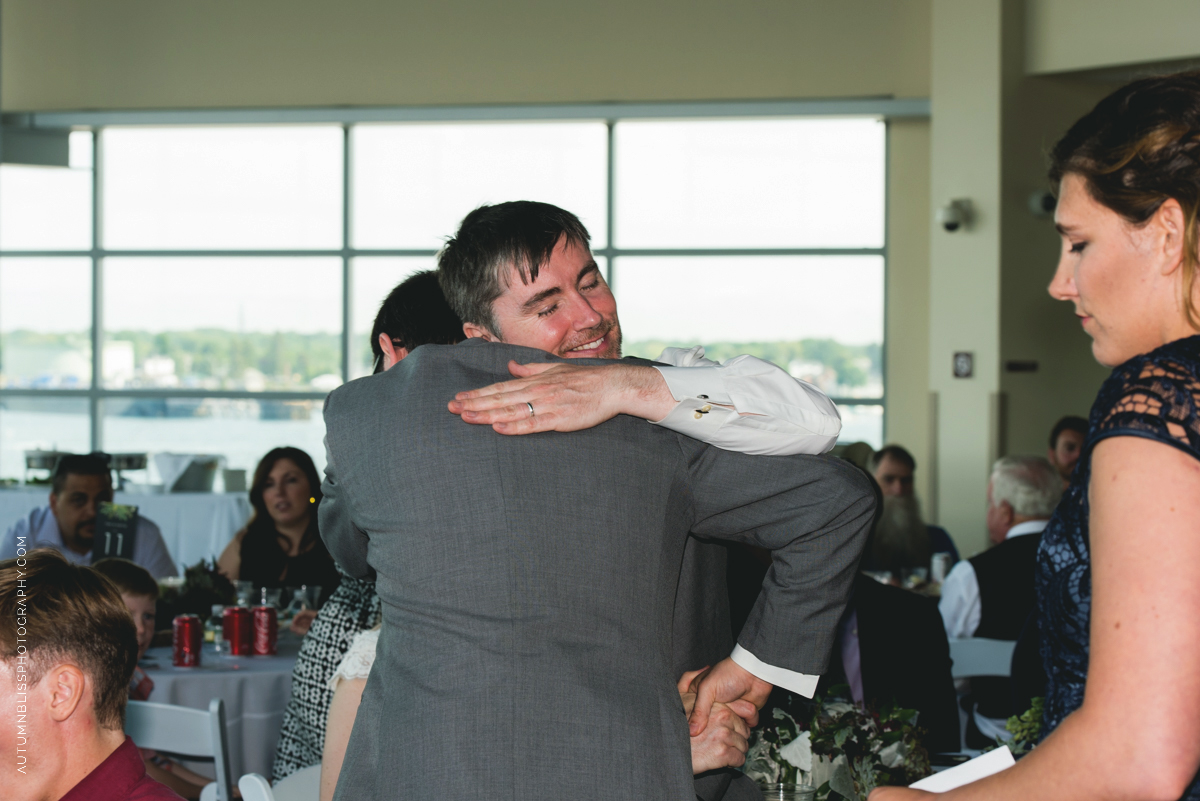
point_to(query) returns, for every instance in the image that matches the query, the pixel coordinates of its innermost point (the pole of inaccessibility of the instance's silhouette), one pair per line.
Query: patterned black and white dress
(352, 608)
(1155, 396)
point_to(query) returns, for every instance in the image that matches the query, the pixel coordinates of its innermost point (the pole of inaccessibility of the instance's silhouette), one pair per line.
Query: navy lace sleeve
(1156, 396)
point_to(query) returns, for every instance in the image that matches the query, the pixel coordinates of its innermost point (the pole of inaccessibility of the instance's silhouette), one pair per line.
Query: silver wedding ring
(531, 411)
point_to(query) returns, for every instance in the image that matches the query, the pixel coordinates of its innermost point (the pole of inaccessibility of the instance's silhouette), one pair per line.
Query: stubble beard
(613, 351)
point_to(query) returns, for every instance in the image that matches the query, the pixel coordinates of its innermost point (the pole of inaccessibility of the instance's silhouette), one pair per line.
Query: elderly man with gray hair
(992, 594)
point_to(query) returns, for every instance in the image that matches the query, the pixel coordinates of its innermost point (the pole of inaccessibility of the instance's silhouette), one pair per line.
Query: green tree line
(220, 354)
(845, 360)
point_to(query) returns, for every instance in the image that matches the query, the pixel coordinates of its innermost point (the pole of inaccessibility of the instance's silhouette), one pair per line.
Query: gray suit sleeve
(813, 513)
(347, 543)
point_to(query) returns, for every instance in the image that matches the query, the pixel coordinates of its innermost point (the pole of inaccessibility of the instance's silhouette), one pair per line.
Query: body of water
(241, 440)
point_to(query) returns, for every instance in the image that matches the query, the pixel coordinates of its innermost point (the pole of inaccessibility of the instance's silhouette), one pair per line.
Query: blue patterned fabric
(1156, 396)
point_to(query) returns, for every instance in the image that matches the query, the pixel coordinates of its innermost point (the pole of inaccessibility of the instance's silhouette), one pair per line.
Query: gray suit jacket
(528, 584)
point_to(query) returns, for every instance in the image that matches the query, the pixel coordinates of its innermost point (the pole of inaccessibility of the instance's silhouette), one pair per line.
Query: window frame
(611, 115)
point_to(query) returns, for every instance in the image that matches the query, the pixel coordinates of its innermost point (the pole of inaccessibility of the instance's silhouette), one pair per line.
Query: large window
(200, 288)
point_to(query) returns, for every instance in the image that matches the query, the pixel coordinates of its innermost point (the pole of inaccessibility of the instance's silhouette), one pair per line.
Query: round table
(255, 689)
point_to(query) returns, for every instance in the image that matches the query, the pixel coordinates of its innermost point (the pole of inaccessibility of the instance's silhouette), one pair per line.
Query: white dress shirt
(749, 406)
(960, 606)
(746, 405)
(39, 529)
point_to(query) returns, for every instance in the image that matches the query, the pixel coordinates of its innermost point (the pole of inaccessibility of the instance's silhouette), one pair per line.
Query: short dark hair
(86, 464)
(1068, 423)
(53, 611)
(473, 266)
(415, 313)
(127, 577)
(897, 452)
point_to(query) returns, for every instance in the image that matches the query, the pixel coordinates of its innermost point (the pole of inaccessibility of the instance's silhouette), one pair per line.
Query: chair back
(303, 785)
(184, 731)
(979, 656)
(255, 788)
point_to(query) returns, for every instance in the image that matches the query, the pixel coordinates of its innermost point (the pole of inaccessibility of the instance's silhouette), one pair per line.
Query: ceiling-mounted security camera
(1042, 203)
(955, 214)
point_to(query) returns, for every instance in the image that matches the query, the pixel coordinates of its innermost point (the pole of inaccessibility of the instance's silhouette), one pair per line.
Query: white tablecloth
(255, 690)
(195, 525)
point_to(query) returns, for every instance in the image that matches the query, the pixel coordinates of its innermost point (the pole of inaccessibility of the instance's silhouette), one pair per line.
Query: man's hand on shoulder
(725, 683)
(565, 397)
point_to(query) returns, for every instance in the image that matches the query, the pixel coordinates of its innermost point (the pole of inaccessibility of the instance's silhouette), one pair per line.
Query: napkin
(978, 768)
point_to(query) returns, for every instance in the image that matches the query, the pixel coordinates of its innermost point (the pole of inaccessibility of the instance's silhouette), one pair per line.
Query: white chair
(255, 788)
(978, 656)
(303, 785)
(187, 732)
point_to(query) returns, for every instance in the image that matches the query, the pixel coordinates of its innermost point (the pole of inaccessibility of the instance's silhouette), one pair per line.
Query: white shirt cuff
(799, 683)
(697, 418)
(702, 381)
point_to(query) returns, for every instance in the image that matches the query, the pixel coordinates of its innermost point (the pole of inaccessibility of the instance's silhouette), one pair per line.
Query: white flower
(799, 752)
(893, 756)
(836, 708)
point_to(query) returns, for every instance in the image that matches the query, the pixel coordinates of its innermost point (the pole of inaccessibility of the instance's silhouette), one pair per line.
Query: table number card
(116, 531)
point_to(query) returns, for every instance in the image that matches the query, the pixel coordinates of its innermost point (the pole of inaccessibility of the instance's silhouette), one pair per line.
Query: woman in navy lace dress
(1119, 565)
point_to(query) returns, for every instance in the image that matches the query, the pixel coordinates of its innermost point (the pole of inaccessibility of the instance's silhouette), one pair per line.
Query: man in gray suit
(529, 584)
(745, 405)
(522, 273)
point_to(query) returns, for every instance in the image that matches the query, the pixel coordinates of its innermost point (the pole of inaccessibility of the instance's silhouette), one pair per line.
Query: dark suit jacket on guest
(906, 658)
(528, 584)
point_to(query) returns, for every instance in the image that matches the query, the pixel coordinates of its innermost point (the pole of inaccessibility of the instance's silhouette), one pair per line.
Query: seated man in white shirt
(68, 524)
(992, 595)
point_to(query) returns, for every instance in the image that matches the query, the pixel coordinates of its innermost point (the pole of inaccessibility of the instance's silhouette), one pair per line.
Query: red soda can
(266, 630)
(187, 635)
(238, 630)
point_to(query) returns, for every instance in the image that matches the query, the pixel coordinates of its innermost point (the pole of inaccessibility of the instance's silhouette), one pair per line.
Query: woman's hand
(302, 621)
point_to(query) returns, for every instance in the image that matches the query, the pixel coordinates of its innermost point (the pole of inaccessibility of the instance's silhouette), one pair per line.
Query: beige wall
(134, 54)
(908, 295)
(1034, 327)
(1067, 35)
(965, 265)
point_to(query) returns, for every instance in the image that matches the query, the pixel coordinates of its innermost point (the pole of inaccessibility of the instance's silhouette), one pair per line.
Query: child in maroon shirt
(67, 651)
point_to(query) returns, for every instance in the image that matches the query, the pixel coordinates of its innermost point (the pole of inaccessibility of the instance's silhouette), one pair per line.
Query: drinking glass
(245, 592)
(312, 594)
(296, 604)
(788, 792)
(270, 596)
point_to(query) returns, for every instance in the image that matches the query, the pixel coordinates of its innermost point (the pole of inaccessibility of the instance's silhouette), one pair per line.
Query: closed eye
(1078, 247)
(548, 312)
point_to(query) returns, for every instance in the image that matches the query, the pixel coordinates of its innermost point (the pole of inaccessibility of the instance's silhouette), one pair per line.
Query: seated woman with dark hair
(280, 546)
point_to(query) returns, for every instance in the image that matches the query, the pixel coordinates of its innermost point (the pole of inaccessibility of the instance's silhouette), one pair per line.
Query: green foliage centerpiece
(841, 749)
(203, 586)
